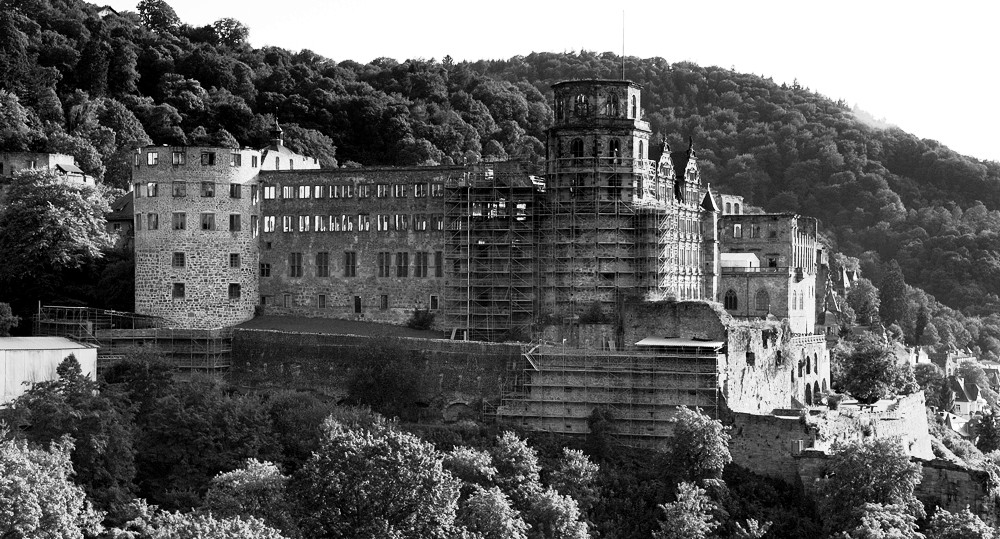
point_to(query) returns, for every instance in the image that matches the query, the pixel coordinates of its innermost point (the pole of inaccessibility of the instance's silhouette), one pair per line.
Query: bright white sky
(928, 67)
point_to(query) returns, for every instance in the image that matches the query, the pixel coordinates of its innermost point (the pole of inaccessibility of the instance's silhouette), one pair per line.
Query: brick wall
(208, 269)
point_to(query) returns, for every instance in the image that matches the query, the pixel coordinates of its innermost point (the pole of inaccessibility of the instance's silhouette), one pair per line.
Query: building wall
(20, 366)
(208, 271)
(374, 200)
(11, 162)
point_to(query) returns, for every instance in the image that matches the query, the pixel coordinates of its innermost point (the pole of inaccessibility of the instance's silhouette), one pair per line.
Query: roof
(40, 343)
(678, 342)
(965, 391)
(709, 202)
(121, 208)
(739, 260)
(69, 169)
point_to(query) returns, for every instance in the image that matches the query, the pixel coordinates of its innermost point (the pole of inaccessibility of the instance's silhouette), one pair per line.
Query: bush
(421, 319)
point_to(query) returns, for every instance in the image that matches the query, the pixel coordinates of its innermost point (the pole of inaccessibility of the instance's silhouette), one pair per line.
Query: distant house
(968, 398)
(121, 219)
(106, 11)
(62, 165)
(35, 359)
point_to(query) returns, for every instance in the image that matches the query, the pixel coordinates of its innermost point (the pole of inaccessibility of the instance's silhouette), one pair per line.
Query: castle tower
(598, 233)
(196, 244)
(710, 240)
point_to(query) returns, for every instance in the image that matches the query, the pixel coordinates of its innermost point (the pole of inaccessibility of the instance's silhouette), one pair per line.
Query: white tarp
(34, 359)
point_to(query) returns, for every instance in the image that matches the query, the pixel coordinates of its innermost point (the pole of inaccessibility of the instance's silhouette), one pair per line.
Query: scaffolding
(491, 249)
(602, 237)
(117, 333)
(557, 389)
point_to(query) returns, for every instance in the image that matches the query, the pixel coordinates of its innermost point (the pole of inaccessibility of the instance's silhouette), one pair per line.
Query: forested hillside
(73, 82)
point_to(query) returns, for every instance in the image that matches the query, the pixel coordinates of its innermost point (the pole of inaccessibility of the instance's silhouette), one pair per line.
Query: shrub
(421, 319)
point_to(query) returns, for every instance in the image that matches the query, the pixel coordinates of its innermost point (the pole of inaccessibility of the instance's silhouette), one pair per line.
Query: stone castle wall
(209, 267)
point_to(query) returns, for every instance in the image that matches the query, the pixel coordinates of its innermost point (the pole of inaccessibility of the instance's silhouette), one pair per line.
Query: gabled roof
(121, 208)
(965, 391)
(68, 169)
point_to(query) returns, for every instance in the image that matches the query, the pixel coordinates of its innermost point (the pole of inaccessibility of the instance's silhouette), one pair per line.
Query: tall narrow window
(402, 264)
(178, 291)
(234, 291)
(576, 147)
(235, 223)
(438, 263)
(153, 221)
(420, 267)
(350, 264)
(177, 158)
(235, 190)
(179, 189)
(179, 221)
(323, 264)
(729, 301)
(295, 264)
(152, 189)
(208, 221)
(177, 260)
(384, 264)
(234, 260)
(763, 300)
(151, 159)
(635, 108)
(615, 150)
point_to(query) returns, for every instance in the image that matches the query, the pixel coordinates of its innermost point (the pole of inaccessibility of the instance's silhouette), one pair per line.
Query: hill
(74, 82)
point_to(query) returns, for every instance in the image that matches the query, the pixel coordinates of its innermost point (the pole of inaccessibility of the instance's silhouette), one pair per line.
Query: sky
(930, 68)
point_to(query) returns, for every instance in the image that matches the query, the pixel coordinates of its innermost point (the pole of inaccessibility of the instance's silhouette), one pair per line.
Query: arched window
(736, 208)
(808, 365)
(824, 385)
(816, 363)
(642, 151)
(635, 108)
(802, 300)
(614, 106)
(615, 149)
(809, 397)
(582, 106)
(576, 147)
(729, 208)
(730, 302)
(560, 113)
(795, 300)
(763, 300)
(816, 393)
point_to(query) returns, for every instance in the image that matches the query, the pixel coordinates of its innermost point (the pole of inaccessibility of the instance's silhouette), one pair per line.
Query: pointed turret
(277, 135)
(710, 243)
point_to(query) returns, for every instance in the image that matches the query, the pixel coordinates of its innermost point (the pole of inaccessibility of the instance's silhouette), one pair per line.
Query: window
(434, 303)
(364, 190)
(363, 222)
(576, 147)
(402, 221)
(235, 225)
(437, 189)
(235, 190)
(295, 264)
(381, 190)
(384, 263)
(736, 208)
(634, 108)
(438, 221)
(152, 189)
(402, 264)
(381, 223)
(439, 263)
(286, 299)
(319, 223)
(235, 159)
(419, 190)
(208, 221)
(179, 189)
(321, 301)
(234, 260)
(615, 149)
(323, 264)
(265, 270)
(304, 191)
(177, 158)
(277, 162)
(642, 150)
(729, 208)
(270, 192)
(253, 161)
(737, 231)
(420, 222)
(420, 266)
(153, 221)
(151, 158)
(581, 106)
(291, 163)
(138, 221)
(253, 194)
(288, 191)
(286, 223)
(755, 231)
(207, 158)
(318, 191)
(399, 190)
(763, 300)
(179, 221)
(303, 223)
(254, 227)
(350, 264)
(234, 291)
(268, 223)
(729, 301)
(383, 302)
(178, 291)
(614, 106)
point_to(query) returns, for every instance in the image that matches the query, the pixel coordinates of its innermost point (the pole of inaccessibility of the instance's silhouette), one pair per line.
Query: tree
(473, 467)
(878, 521)
(961, 525)
(487, 514)
(988, 434)
(7, 320)
(257, 489)
(575, 476)
(930, 378)
(157, 15)
(517, 470)
(864, 299)
(230, 32)
(876, 471)
(554, 516)
(375, 481)
(689, 517)
(970, 371)
(872, 372)
(152, 523)
(892, 295)
(386, 380)
(698, 448)
(37, 496)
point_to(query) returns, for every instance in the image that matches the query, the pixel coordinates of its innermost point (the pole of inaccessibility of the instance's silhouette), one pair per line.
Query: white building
(35, 359)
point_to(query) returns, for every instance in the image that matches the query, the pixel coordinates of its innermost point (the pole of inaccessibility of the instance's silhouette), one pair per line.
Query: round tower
(196, 250)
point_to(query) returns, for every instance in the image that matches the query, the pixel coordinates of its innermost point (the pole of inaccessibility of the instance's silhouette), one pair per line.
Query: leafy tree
(752, 530)
(386, 380)
(230, 32)
(930, 378)
(698, 448)
(864, 299)
(296, 418)
(961, 525)
(878, 521)
(257, 489)
(517, 470)
(575, 476)
(7, 320)
(487, 514)
(872, 372)
(473, 466)
(152, 523)
(690, 517)
(375, 482)
(892, 295)
(157, 15)
(970, 371)
(876, 471)
(37, 496)
(554, 516)
(988, 434)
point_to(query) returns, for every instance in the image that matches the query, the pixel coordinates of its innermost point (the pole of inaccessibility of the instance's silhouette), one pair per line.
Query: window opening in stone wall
(642, 150)
(178, 189)
(178, 291)
(364, 191)
(207, 189)
(382, 223)
(419, 190)
(383, 302)
(265, 270)
(287, 191)
(729, 208)
(581, 106)
(763, 300)
(420, 222)
(614, 106)
(809, 399)
(304, 191)
(286, 300)
(151, 158)
(364, 222)
(286, 223)
(291, 163)
(737, 231)
(208, 221)
(402, 264)
(318, 191)
(277, 162)
(177, 158)
(235, 222)
(615, 150)
(177, 260)
(434, 303)
(319, 223)
(437, 189)
(350, 264)
(235, 159)
(560, 112)
(268, 223)
(420, 266)
(295, 264)
(357, 304)
(253, 161)
(730, 300)
(323, 264)
(438, 221)
(270, 192)
(207, 158)
(321, 301)
(153, 221)
(384, 260)
(381, 190)
(736, 209)
(235, 190)
(439, 263)
(254, 227)
(303, 223)
(179, 221)
(234, 260)
(808, 365)
(817, 396)
(576, 148)
(152, 189)
(234, 291)
(399, 190)
(634, 108)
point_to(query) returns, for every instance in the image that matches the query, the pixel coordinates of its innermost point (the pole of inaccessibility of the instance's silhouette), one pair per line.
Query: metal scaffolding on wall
(116, 333)
(490, 249)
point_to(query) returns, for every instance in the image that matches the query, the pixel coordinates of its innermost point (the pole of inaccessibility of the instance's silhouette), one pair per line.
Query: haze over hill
(98, 87)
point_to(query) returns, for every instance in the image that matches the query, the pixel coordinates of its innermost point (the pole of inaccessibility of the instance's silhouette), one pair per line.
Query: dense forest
(913, 215)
